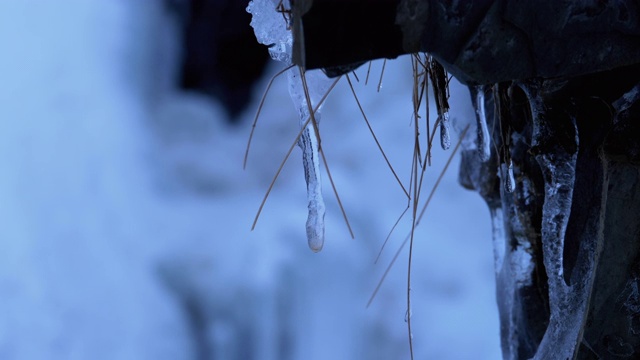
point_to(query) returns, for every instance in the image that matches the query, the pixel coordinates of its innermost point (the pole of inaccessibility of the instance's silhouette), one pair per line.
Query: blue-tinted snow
(126, 213)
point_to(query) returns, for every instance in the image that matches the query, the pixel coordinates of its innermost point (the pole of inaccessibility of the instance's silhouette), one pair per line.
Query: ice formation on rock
(510, 180)
(306, 90)
(555, 142)
(484, 138)
(270, 28)
(445, 137)
(568, 302)
(317, 84)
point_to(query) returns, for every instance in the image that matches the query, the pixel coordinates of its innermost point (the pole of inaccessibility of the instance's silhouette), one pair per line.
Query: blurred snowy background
(126, 214)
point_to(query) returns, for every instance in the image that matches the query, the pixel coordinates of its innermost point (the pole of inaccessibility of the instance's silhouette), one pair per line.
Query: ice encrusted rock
(270, 28)
(568, 302)
(510, 180)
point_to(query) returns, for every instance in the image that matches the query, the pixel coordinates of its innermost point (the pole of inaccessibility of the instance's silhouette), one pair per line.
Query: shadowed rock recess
(557, 85)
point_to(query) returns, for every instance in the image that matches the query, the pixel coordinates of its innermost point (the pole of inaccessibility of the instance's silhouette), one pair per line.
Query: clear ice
(568, 303)
(271, 29)
(317, 85)
(510, 180)
(484, 138)
(445, 137)
(567, 307)
(315, 220)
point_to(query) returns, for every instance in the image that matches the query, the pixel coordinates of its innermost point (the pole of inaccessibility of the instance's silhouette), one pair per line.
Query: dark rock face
(221, 56)
(479, 42)
(560, 86)
(351, 38)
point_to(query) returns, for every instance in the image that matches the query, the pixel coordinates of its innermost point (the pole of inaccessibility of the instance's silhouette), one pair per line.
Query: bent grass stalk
(255, 120)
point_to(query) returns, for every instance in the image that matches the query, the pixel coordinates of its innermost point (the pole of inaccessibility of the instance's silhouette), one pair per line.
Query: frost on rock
(306, 90)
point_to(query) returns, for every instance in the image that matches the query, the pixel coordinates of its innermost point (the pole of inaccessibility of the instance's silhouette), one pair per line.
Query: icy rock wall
(556, 231)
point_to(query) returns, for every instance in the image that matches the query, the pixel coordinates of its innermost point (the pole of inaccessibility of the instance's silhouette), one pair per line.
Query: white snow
(126, 213)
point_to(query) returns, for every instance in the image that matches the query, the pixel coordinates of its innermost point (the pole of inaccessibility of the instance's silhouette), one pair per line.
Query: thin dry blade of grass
(375, 138)
(335, 191)
(420, 216)
(384, 63)
(366, 80)
(390, 232)
(255, 120)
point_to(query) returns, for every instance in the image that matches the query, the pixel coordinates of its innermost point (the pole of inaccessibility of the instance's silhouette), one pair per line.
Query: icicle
(317, 85)
(438, 77)
(310, 160)
(484, 139)
(445, 138)
(271, 29)
(509, 181)
(498, 237)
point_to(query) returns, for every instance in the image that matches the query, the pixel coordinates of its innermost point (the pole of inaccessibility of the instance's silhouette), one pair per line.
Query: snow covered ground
(126, 214)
